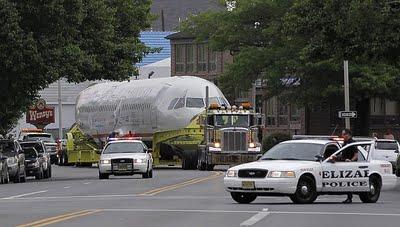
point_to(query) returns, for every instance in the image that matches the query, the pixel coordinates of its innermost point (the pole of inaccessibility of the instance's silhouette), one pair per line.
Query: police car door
(346, 176)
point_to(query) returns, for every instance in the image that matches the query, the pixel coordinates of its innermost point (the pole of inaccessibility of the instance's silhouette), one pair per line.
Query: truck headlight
(281, 174)
(139, 160)
(217, 145)
(105, 161)
(252, 145)
(231, 173)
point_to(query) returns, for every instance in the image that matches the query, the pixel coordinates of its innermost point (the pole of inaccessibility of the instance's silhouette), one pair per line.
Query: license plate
(248, 184)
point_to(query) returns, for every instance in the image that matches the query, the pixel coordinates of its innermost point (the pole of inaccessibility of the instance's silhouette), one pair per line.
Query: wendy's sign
(40, 114)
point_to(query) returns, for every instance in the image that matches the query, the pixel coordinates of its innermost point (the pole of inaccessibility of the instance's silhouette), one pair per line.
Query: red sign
(40, 114)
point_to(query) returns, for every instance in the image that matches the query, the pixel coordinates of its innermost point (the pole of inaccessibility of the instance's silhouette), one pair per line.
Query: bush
(273, 139)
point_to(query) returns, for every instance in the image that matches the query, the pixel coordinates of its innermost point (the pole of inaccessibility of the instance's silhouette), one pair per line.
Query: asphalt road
(75, 197)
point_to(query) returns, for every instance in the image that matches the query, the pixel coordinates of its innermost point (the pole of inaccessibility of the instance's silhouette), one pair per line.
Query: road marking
(250, 211)
(179, 211)
(334, 213)
(182, 184)
(59, 218)
(256, 218)
(66, 187)
(87, 183)
(22, 195)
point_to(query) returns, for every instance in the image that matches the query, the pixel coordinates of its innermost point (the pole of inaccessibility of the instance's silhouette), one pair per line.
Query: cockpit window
(214, 100)
(194, 103)
(180, 103)
(172, 104)
(223, 101)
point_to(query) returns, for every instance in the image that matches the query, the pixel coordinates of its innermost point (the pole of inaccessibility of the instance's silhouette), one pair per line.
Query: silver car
(125, 157)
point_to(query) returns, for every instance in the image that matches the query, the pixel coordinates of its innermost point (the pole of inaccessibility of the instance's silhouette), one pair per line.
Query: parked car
(34, 163)
(41, 149)
(11, 149)
(39, 135)
(4, 176)
(387, 150)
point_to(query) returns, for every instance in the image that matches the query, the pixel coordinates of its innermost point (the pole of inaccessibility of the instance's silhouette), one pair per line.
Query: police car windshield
(232, 120)
(122, 147)
(293, 151)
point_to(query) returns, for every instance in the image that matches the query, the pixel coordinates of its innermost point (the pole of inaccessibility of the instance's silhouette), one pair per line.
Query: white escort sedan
(302, 170)
(125, 157)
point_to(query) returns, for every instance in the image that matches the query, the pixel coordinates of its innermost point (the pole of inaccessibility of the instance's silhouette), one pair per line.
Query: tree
(299, 47)
(79, 40)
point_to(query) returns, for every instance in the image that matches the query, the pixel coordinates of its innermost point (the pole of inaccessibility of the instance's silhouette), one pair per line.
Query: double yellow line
(60, 218)
(183, 184)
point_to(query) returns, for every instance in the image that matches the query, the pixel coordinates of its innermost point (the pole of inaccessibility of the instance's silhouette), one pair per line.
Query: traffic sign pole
(346, 92)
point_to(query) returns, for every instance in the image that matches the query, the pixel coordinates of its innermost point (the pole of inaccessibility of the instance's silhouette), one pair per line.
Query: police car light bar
(299, 137)
(124, 138)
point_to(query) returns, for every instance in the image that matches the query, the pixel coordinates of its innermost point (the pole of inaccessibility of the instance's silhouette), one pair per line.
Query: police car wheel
(375, 190)
(243, 198)
(306, 191)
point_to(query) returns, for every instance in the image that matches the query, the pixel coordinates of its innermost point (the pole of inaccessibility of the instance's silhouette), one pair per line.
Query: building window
(201, 58)
(271, 111)
(190, 51)
(377, 106)
(212, 66)
(180, 58)
(294, 113)
(283, 111)
(391, 108)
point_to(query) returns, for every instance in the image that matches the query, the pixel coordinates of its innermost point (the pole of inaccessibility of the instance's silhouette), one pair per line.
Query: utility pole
(60, 130)
(206, 118)
(346, 92)
(254, 96)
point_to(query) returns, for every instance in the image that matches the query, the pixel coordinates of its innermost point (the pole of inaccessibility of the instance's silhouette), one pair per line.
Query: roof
(177, 10)
(69, 92)
(180, 35)
(155, 40)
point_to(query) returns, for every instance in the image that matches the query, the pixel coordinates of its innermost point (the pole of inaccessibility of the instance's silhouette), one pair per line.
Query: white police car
(301, 170)
(125, 157)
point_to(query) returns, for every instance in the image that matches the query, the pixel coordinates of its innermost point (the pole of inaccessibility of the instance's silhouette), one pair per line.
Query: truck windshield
(226, 120)
(128, 147)
(36, 137)
(293, 151)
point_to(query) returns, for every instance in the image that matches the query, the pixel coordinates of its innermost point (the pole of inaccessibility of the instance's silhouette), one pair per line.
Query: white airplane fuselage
(143, 106)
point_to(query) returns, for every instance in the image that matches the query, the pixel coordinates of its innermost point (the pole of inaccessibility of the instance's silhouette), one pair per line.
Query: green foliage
(273, 139)
(41, 41)
(307, 40)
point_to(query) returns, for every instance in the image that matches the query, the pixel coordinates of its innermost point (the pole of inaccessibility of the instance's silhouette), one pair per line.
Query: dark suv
(12, 151)
(45, 155)
(34, 163)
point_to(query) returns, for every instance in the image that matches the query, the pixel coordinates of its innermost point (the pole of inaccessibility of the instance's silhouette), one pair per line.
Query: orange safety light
(246, 105)
(214, 106)
(32, 130)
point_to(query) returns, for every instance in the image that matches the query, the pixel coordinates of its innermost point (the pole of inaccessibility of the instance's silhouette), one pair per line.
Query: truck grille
(252, 173)
(234, 141)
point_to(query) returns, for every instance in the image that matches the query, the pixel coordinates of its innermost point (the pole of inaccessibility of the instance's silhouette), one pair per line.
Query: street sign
(347, 114)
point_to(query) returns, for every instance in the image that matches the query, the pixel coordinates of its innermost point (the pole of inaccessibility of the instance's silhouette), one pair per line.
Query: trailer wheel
(189, 160)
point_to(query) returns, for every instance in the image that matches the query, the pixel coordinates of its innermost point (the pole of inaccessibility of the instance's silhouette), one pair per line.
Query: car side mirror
(319, 158)
(149, 150)
(396, 151)
(40, 155)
